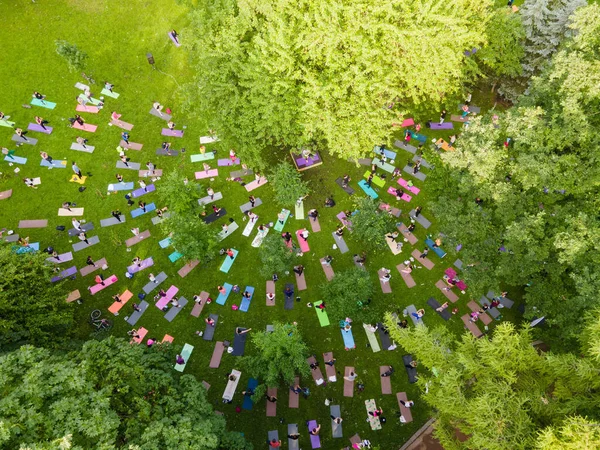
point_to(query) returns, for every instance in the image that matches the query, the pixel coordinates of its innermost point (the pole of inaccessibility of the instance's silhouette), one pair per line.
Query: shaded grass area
(117, 38)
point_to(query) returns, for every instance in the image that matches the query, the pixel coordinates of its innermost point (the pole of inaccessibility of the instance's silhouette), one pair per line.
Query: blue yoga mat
(165, 242)
(368, 190)
(228, 262)
(348, 338)
(121, 186)
(138, 211)
(438, 251)
(246, 301)
(34, 247)
(15, 159)
(55, 163)
(222, 298)
(248, 403)
(43, 103)
(388, 153)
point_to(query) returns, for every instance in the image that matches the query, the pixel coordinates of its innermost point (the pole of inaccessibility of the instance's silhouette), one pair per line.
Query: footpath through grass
(117, 38)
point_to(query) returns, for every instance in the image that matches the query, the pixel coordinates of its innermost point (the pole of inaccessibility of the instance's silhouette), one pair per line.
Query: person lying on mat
(376, 412)
(240, 330)
(441, 308)
(388, 372)
(314, 365)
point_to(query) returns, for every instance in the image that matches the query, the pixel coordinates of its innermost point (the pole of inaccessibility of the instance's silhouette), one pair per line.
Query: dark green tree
(32, 309)
(274, 256)
(370, 224)
(109, 394)
(346, 294)
(288, 184)
(190, 236)
(280, 355)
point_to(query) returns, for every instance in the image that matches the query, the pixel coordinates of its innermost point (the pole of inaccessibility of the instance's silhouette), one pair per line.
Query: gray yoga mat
(407, 147)
(411, 371)
(385, 338)
(85, 227)
(81, 245)
(336, 428)
(130, 165)
(289, 301)
(239, 344)
(420, 219)
(151, 285)
(135, 315)
(209, 331)
(347, 189)
(172, 313)
(112, 221)
(419, 175)
(445, 314)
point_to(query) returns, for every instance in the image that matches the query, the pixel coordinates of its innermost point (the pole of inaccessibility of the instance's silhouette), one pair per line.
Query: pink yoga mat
(228, 162)
(172, 133)
(402, 182)
(87, 109)
(98, 287)
(303, 244)
(86, 127)
(205, 174)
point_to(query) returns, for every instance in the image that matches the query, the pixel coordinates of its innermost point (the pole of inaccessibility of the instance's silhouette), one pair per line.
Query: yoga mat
(474, 329)
(88, 269)
(122, 125)
(206, 174)
(185, 354)
(121, 186)
(43, 103)
(86, 127)
(405, 146)
(164, 301)
(412, 239)
(424, 162)
(383, 336)
(303, 244)
(149, 287)
(27, 140)
(384, 165)
(289, 300)
(61, 258)
(248, 206)
(131, 145)
(419, 175)
(215, 360)
(87, 109)
(6, 123)
(175, 256)
(388, 153)
(301, 282)
(249, 226)
(372, 338)
(406, 413)
(174, 310)
(377, 181)
(5, 194)
(208, 139)
(248, 403)
(163, 116)
(109, 93)
(222, 298)
(437, 250)
(278, 225)
(164, 152)
(70, 272)
(73, 212)
(315, 440)
(336, 428)
(81, 148)
(402, 182)
(341, 244)
(172, 133)
(427, 263)
(299, 210)
(241, 173)
(144, 264)
(231, 228)
(139, 211)
(81, 86)
(175, 41)
(239, 343)
(321, 314)
(271, 406)
(407, 277)
(141, 191)
(33, 247)
(368, 190)
(226, 266)
(207, 200)
(440, 126)
(329, 274)
(33, 223)
(39, 128)
(165, 242)
(89, 226)
(93, 101)
(228, 162)
(246, 301)
(348, 339)
(81, 245)
(348, 189)
(98, 287)
(130, 165)
(202, 157)
(15, 159)
(55, 164)
(187, 268)
(256, 184)
(150, 173)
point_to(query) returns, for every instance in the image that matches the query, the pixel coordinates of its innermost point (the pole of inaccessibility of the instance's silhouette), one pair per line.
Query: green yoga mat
(300, 211)
(376, 180)
(321, 314)
(110, 94)
(93, 101)
(278, 225)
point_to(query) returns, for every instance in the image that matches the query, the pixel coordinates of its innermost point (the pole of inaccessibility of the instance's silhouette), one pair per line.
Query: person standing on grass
(442, 116)
(76, 169)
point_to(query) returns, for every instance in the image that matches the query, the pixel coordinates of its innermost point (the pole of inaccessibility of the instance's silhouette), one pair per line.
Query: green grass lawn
(117, 38)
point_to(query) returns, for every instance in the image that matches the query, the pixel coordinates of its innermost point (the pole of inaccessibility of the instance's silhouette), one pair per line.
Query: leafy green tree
(274, 256)
(348, 292)
(31, 308)
(280, 355)
(109, 394)
(288, 184)
(537, 226)
(290, 74)
(500, 392)
(190, 236)
(370, 224)
(75, 57)
(575, 433)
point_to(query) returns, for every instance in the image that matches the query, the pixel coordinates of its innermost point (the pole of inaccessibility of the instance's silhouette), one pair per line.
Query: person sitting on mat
(315, 431)
(286, 236)
(274, 443)
(270, 296)
(179, 359)
(322, 306)
(216, 210)
(171, 125)
(221, 290)
(230, 253)
(294, 436)
(210, 321)
(299, 269)
(313, 214)
(331, 362)
(388, 372)
(327, 260)
(161, 211)
(399, 193)
(142, 206)
(340, 230)
(376, 412)
(345, 180)
(329, 202)
(247, 294)
(271, 398)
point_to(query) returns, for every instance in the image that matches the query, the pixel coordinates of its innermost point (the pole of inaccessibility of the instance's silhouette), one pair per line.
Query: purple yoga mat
(441, 126)
(315, 441)
(301, 161)
(64, 274)
(172, 133)
(139, 192)
(228, 162)
(177, 44)
(39, 128)
(145, 264)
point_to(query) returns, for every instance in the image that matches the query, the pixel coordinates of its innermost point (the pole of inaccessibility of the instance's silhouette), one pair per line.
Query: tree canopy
(109, 394)
(280, 355)
(537, 226)
(274, 256)
(370, 224)
(31, 308)
(347, 295)
(287, 184)
(332, 75)
(501, 392)
(190, 236)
